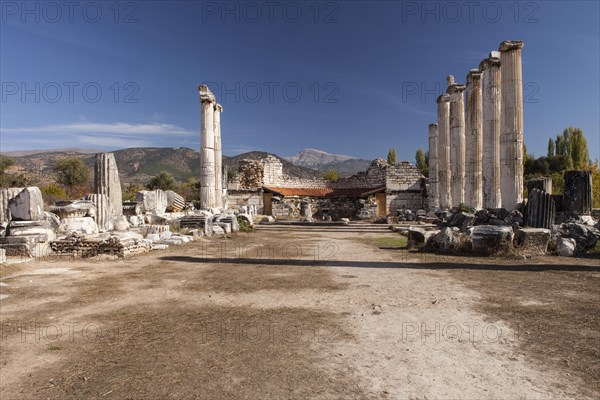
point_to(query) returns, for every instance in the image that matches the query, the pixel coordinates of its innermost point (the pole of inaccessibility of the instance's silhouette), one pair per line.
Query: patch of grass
(244, 225)
(390, 242)
(53, 347)
(597, 248)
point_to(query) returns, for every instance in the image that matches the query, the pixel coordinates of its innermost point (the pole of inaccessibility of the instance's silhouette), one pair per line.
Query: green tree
(422, 162)
(580, 157)
(551, 148)
(190, 190)
(71, 171)
(163, 181)
(391, 157)
(331, 175)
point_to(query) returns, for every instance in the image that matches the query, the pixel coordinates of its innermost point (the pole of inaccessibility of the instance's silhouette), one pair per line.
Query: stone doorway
(267, 205)
(381, 200)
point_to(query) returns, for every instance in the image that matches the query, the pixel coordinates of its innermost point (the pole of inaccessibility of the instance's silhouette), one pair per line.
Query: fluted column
(218, 157)
(457, 141)
(107, 181)
(434, 199)
(474, 141)
(511, 134)
(444, 176)
(207, 148)
(490, 68)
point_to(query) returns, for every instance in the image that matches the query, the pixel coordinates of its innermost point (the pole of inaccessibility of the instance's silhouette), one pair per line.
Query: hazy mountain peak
(320, 159)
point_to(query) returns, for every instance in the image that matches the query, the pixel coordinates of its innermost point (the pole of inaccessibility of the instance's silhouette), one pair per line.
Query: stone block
(217, 230)
(490, 239)
(463, 221)
(28, 205)
(85, 225)
(152, 201)
(533, 241)
(585, 236)
(444, 240)
(2, 256)
(565, 247)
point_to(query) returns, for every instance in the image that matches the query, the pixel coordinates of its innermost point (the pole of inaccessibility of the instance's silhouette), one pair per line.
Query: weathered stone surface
(85, 225)
(565, 247)
(2, 256)
(74, 209)
(474, 140)
(5, 195)
(107, 182)
(121, 224)
(463, 221)
(420, 236)
(585, 236)
(489, 239)
(217, 230)
(306, 212)
(218, 156)
(444, 172)
(433, 194)
(544, 184)
(445, 240)
(482, 217)
(175, 202)
(267, 219)
(132, 208)
(541, 211)
(533, 241)
(577, 193)
(490, 67)
(152, 201)
(103, 214)
(28, 205)
(457, 142)
(511, 134)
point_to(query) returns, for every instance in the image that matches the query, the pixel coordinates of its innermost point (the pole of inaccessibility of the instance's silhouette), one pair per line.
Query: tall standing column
(444, 173)
(474, 140)
(511, 133)
(490, 68)
(218, 157)
(457, 140)
(434, 197)
(207, 148)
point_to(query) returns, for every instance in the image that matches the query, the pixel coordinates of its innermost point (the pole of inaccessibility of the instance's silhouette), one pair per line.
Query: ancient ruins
(473, 200)
(476, 163)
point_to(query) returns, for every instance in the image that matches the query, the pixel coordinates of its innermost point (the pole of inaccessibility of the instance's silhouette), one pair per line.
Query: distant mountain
(322, 160)
(139, 165)
(71, 150)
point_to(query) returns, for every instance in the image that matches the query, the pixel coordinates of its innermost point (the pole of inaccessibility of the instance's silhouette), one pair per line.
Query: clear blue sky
(368, 71)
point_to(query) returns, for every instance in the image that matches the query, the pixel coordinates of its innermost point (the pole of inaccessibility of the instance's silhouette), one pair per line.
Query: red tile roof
(324, 192)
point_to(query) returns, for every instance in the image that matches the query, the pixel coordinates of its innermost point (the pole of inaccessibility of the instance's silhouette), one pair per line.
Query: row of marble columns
(476, 147)
(211, 157)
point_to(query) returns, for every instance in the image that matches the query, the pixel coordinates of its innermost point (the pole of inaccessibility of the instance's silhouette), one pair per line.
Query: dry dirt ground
(294, 313)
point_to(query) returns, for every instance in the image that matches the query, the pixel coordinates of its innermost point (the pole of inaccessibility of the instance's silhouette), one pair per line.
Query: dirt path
(292, 314)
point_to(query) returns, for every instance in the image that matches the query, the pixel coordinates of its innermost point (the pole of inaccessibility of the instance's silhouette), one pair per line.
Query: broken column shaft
(434, 199)
(511, 134)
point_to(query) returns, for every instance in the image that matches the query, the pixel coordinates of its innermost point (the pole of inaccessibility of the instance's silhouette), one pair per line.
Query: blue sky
(350, 77)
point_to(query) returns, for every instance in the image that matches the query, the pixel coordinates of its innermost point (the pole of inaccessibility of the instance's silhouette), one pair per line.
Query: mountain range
(322, 161)
(139, 165)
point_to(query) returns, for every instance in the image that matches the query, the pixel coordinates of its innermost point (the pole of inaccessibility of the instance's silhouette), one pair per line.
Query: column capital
(492, 61)
(456, 88)
(474, 75)
(218, 107)
(508, 45)
(205, 94)
(433, 125)
(444, 98)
